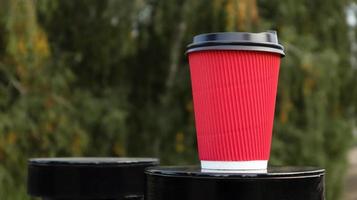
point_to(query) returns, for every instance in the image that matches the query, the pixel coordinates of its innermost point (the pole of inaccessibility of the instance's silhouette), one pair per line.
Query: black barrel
(88, 178)
(277, 183)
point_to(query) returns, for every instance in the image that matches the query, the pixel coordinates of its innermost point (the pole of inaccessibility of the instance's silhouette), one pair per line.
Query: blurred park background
(110, 78)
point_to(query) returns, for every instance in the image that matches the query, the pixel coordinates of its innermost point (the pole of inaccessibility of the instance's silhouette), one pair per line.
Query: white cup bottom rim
(234, 165)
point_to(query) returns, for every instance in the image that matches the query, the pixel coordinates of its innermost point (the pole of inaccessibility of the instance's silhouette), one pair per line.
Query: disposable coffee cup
(234, 78)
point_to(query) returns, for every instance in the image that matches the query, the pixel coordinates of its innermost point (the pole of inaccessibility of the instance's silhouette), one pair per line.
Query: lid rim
(242, 41)
(237, 48)
(238, 43)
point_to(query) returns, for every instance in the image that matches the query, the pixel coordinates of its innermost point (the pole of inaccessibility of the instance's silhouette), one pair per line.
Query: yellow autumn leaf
(76, 145)
(189, 107)
(21, 47)
(41, 44)
(180, 137)
(119, 149)
(308, 86)
(285, 107)
(11, 138)
(2, 154)
(180, 148)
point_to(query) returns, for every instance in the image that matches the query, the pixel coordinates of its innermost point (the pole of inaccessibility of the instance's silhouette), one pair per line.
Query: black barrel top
(87, 178)
(277, 183)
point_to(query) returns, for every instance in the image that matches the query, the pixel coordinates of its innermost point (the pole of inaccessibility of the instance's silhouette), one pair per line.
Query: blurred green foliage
(110, 78)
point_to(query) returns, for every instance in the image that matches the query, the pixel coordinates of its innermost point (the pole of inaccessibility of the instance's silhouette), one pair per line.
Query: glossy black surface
(279, 183)
(75, 161)
(195, 171)
(88, 178)
(264, 41)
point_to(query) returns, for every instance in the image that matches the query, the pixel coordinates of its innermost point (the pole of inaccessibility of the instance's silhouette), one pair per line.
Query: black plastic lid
(264, 41)
(88, 178)
(191, 183)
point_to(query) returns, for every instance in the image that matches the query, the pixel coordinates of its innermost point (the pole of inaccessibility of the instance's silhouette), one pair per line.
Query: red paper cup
(234, 83)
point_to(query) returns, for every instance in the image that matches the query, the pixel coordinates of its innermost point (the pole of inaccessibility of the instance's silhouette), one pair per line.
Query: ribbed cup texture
(234, 101)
